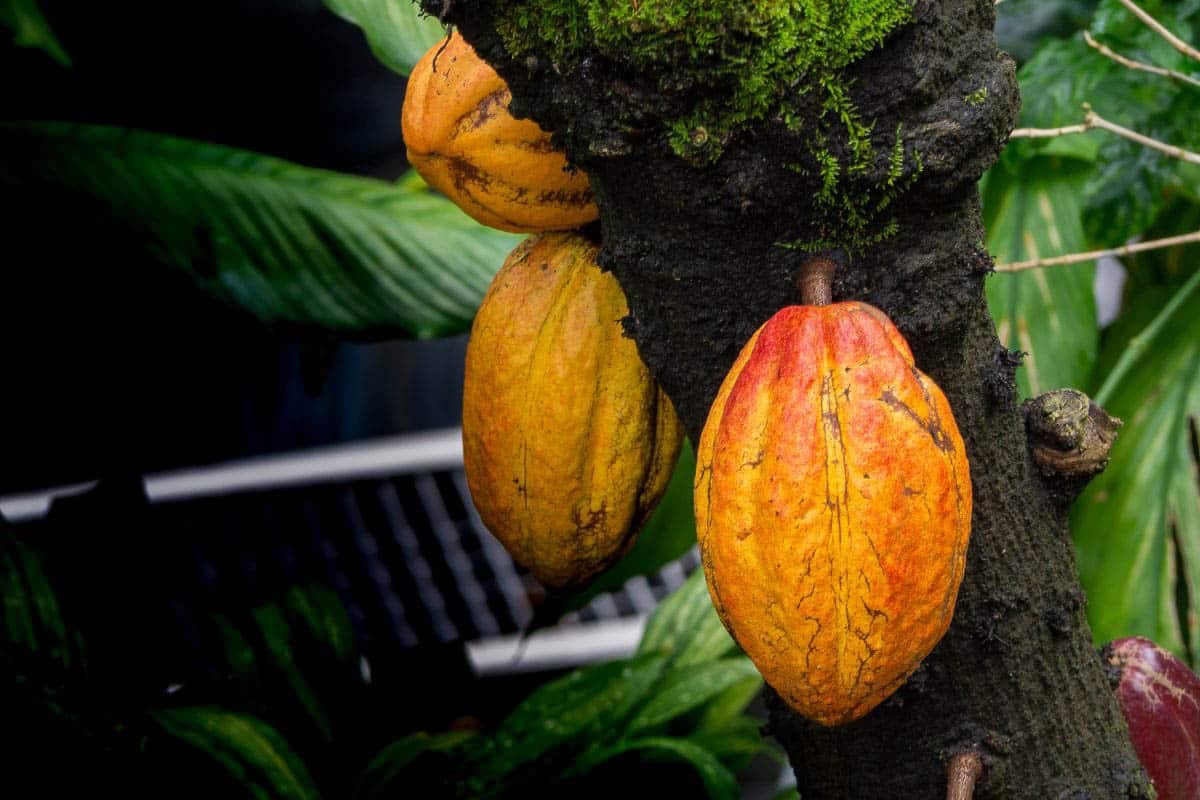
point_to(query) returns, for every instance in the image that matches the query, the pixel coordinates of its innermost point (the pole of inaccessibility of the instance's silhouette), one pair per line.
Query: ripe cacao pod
(568, 441)
(833, 508)
(1160, 700)
(461, 139)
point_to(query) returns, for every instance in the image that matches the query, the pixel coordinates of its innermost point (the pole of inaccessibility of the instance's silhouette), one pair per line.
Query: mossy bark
(697, 250)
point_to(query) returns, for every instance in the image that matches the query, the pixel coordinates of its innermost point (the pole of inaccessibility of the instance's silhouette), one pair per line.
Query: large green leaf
(667, 535)
(685, 627)
(384, 775)
(582, 707)
(1048, 313)
(30, 29)
(689, 688)
(293, 246)
(398, 34)
(250, 750)
(719, 782)
(1137, 527)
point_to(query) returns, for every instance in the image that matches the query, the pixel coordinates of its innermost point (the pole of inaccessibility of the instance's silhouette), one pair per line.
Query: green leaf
(719, 782)
(30, 28)
(1127, 523)
(668, 534)
(249, 749)
(685, 627)
(736, 742)
(291, 245)
(385, 769)
(395, 29)
(727, 707)
(690, 688)
(1049, 313)
(33, 620)
(320, 611)
(1022, 25)
(586, 705)
(277, 635)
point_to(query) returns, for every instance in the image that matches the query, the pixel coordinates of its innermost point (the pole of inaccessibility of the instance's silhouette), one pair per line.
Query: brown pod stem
(961, 774)
(816, 281)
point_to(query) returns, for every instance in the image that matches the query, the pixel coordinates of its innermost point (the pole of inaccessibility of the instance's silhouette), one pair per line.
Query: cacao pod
(1160, 700)
(833, 508)
(568, 441)
(500, 170)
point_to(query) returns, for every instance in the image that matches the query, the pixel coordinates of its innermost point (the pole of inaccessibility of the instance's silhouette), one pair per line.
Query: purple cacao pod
(1160, 698)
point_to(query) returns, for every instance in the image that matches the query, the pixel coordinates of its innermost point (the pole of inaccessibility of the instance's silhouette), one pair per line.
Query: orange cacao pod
(568, 441)
(833, 508)
(461, 139)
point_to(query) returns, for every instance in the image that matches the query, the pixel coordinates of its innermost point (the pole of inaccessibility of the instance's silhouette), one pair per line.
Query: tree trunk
(698, 251)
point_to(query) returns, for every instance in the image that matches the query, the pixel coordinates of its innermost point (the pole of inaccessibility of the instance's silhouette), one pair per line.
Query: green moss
(853, 220)
(751, 55)
(748, 59)
(976, 97)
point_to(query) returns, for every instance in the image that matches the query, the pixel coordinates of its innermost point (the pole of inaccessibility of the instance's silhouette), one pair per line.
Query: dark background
(115, 365)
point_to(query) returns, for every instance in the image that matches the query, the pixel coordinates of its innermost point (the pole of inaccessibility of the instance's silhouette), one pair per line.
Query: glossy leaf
(383, 775)
(1137, 527)
(685, 627)
(690, 688)
(736, 742)
(291, 245)
(320, 611)
(249, 749)
(30, 28)
(668, 534)
(727, 707)
(277, 635)
(1049, 313)
(397, 33)
(32, 620)
(589, 701)
(719, 782)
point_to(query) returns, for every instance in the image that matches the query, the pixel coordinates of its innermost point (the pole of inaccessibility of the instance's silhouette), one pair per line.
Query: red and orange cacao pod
(568, 441)
(833, 508)
(502, 171)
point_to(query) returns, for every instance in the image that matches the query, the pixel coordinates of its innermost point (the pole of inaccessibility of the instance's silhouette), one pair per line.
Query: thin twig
(1157, 27)
(1075, 258)
(1047, 133)
(1138, 65)
(961, 774)
(1136, 348)
(1093, 120)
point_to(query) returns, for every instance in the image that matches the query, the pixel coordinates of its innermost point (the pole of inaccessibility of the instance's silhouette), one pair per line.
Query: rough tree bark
(696, 249)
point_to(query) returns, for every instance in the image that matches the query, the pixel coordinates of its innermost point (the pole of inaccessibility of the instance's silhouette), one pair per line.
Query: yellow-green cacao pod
(569, 443)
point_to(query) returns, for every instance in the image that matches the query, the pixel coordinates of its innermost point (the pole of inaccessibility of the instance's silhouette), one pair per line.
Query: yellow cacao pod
(833, 508)
(568, 441)
(461, 139)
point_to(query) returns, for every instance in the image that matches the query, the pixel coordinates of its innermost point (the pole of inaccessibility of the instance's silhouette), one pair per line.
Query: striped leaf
(250, 750)
(291, 245)
(1048, 313)
(397, 33)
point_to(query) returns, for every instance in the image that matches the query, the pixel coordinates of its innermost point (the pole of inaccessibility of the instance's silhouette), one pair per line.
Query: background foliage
(303, 249)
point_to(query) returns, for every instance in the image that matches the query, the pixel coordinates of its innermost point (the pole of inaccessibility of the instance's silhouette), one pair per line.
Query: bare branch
(1138, 65)
(961, 774)
(1093, 120)
(1075, 258)
(1158, 28)
(1047, 133)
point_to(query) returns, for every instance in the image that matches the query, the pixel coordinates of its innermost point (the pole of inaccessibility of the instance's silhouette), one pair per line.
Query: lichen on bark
(695, 245)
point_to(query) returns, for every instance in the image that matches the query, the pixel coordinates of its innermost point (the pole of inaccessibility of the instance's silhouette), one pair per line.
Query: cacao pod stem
(961, 774)
(816, 281)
